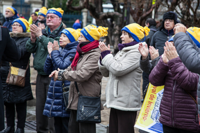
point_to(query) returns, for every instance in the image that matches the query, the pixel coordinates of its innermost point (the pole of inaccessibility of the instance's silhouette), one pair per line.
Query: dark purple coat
(177, 108)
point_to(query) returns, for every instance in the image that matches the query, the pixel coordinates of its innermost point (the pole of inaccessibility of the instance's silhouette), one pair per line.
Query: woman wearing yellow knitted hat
(84, 73)
(60, 58)
(16, 96)
(123, 93)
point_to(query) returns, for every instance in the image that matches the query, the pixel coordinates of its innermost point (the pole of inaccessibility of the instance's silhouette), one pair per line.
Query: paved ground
(101, 128)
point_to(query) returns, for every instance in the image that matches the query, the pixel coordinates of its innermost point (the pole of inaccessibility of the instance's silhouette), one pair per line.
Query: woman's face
(125, 38)
(64, 40)
(17, 28)
(82, 39)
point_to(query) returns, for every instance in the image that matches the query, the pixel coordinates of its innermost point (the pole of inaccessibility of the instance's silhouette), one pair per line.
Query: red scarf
(86, 48)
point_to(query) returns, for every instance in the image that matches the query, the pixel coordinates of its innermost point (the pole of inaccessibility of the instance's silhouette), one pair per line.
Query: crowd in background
(73, 60)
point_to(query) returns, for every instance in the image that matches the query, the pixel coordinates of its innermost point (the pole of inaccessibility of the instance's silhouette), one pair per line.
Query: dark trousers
(61, 124)
(44, 124)
(167, 129)
(76, 127)
(122, 121)
(21, 114)
(1, 108)
(145, 77)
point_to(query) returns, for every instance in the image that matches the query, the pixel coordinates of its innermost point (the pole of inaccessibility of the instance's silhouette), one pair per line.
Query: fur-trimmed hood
(12, 34)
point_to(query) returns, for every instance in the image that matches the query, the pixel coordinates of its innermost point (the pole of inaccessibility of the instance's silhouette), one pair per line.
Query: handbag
(65, 96)
(88, 109)
(16, 76)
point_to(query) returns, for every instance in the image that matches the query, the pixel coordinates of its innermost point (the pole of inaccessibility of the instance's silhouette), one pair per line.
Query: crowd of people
(74, 60)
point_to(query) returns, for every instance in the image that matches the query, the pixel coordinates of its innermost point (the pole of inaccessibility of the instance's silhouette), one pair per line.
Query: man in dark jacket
(8, 52)
(10, 15)
(151, 23)
(165, 32)
(38, 45)
(189, 53)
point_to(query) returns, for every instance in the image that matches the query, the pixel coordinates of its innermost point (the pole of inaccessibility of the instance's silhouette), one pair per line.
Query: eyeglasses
(16, 25)
(51, 17)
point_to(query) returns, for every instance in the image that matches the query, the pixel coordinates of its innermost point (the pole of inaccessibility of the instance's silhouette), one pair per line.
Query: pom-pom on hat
(71, 33)
(77, 24)
(23, 22)
(57, 11)
(136, 31)
(43, 11)
(92, 32)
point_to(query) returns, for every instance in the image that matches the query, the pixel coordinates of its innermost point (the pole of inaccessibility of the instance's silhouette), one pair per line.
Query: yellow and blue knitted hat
(71, 33)
(57, 11)
(136, 31)
(92, 32)
(23, 22)
(13, 10)
(43, 11)
(194, 33)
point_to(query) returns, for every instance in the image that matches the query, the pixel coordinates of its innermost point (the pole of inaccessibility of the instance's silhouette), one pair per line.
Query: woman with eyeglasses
(15, 97)
(83, 70)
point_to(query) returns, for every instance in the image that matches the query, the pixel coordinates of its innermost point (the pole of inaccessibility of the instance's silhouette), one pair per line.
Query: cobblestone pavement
(101, 128)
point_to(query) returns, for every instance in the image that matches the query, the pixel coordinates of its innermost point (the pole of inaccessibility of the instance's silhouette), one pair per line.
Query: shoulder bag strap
(193, 98)
(76, 87)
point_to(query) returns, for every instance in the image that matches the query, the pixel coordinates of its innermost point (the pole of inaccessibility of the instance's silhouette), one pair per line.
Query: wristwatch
(60, 74)
(39, 38)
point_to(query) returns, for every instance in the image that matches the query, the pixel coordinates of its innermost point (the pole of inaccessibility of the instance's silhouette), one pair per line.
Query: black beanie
(170, 15)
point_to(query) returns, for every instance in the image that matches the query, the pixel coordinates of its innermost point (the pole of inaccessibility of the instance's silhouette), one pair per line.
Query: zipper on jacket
(173, 104)
(53, 99)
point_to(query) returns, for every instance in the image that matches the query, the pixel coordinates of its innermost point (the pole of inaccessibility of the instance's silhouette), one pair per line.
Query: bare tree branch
(110, 15)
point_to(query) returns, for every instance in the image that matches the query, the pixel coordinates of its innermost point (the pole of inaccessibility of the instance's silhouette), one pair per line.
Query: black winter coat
(189, 54)
(153, 29)
(12, 93)
(9, 52)
(159, 38)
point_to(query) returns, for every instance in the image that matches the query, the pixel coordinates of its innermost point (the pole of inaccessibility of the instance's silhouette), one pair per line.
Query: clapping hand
(36, 30)
(103, 47)
(153, 52)
(55, 45)
(49, 47)
(179, 28)
(33, 37)
(164, 57)
(170, 51)
(144, 51)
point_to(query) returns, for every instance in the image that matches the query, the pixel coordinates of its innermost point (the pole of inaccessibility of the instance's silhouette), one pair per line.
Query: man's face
(169, 24)
(9, 13)
(53, 20)
(34, 18)
(40, 17)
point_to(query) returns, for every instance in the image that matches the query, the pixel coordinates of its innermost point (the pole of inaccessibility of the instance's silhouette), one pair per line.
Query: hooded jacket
(12, 93)
(123, 88)
(189, 54)
(54, 106)
(177, 108)
(8, 22)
